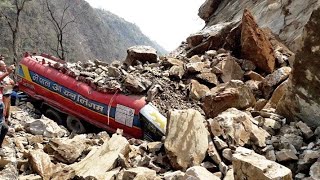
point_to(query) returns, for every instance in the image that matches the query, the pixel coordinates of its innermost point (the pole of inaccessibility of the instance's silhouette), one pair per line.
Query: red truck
(74, 103)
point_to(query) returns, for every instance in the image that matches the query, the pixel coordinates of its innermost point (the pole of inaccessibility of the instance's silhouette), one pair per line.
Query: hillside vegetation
(95, 34)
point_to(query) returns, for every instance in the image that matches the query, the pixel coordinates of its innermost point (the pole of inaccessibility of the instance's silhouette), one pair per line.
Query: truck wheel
(75, 125)
(54, 115)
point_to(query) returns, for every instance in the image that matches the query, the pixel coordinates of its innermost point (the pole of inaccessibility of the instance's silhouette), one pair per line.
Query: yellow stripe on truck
(26, 72)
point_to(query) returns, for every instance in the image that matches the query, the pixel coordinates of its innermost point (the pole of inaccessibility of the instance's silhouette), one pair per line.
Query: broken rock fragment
(251, 166)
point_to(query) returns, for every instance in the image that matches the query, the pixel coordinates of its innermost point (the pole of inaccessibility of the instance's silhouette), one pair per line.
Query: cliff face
(302, 100)
(286, 18)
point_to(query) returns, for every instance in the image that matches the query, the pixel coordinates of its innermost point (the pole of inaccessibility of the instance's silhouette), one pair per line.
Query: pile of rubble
(219, 90)
(40, 149)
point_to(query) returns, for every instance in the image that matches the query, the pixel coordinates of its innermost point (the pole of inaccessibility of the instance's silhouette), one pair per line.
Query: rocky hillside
(96, 34)
(240, 104)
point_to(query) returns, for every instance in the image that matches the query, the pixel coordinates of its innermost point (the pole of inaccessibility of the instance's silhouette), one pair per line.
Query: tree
(59, 20)
(13, 21)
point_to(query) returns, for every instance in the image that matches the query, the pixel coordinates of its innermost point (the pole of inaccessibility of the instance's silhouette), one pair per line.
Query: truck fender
(54, 115)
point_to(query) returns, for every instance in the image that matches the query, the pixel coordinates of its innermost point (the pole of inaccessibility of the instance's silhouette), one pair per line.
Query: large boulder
(237, 127)
(232, 94)
(142, 54)
(103, 159)
(41, 163)
(186, 140)
(68, 150)
(255, 45)
(302, 101)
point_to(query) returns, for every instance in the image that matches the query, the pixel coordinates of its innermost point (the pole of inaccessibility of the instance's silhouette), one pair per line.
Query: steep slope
(96, 34)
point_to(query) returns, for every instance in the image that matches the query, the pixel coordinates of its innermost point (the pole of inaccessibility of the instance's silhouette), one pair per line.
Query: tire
(75, 125)
(54, 115)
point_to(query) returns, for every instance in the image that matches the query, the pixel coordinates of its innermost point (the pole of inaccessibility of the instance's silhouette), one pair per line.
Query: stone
(255, 45)
(237, 127)
(249, 165)
(112, 174)
(114, 72)
(68, 150)
(302, 100)
(299, 176)
(227, 154)
(173, 175)
(194, 67)
(230, 70)
(296, 141)
(248, 65)
(223, 168)
(103, 158)
(271, 155)
(213, 37)
(285, 155)
(44, 126)
(197, 90)
(211, 53)
(213, 153)
(253, 76)
(218, 174)
(172, 62)
(141, 53)
(258, 136)
(229, 175)
(186, 140)
(134, 84)
(198, 172)
(41, 163)
(139, 173)
(220, 144)
(154, 146)
(254, 87)
(277, 94)
(195, 58)
(307, 158)
(260, 104)
(272, 80)
(315, 170)
(305, 129)
(30, 177)
(208, 77)
(232, 94)
(209, 166)
(176, 72)
(271, 123)
(317, 131)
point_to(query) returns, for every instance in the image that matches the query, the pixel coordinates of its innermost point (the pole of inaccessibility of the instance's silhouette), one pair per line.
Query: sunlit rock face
(285, 18)
(302, 100)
